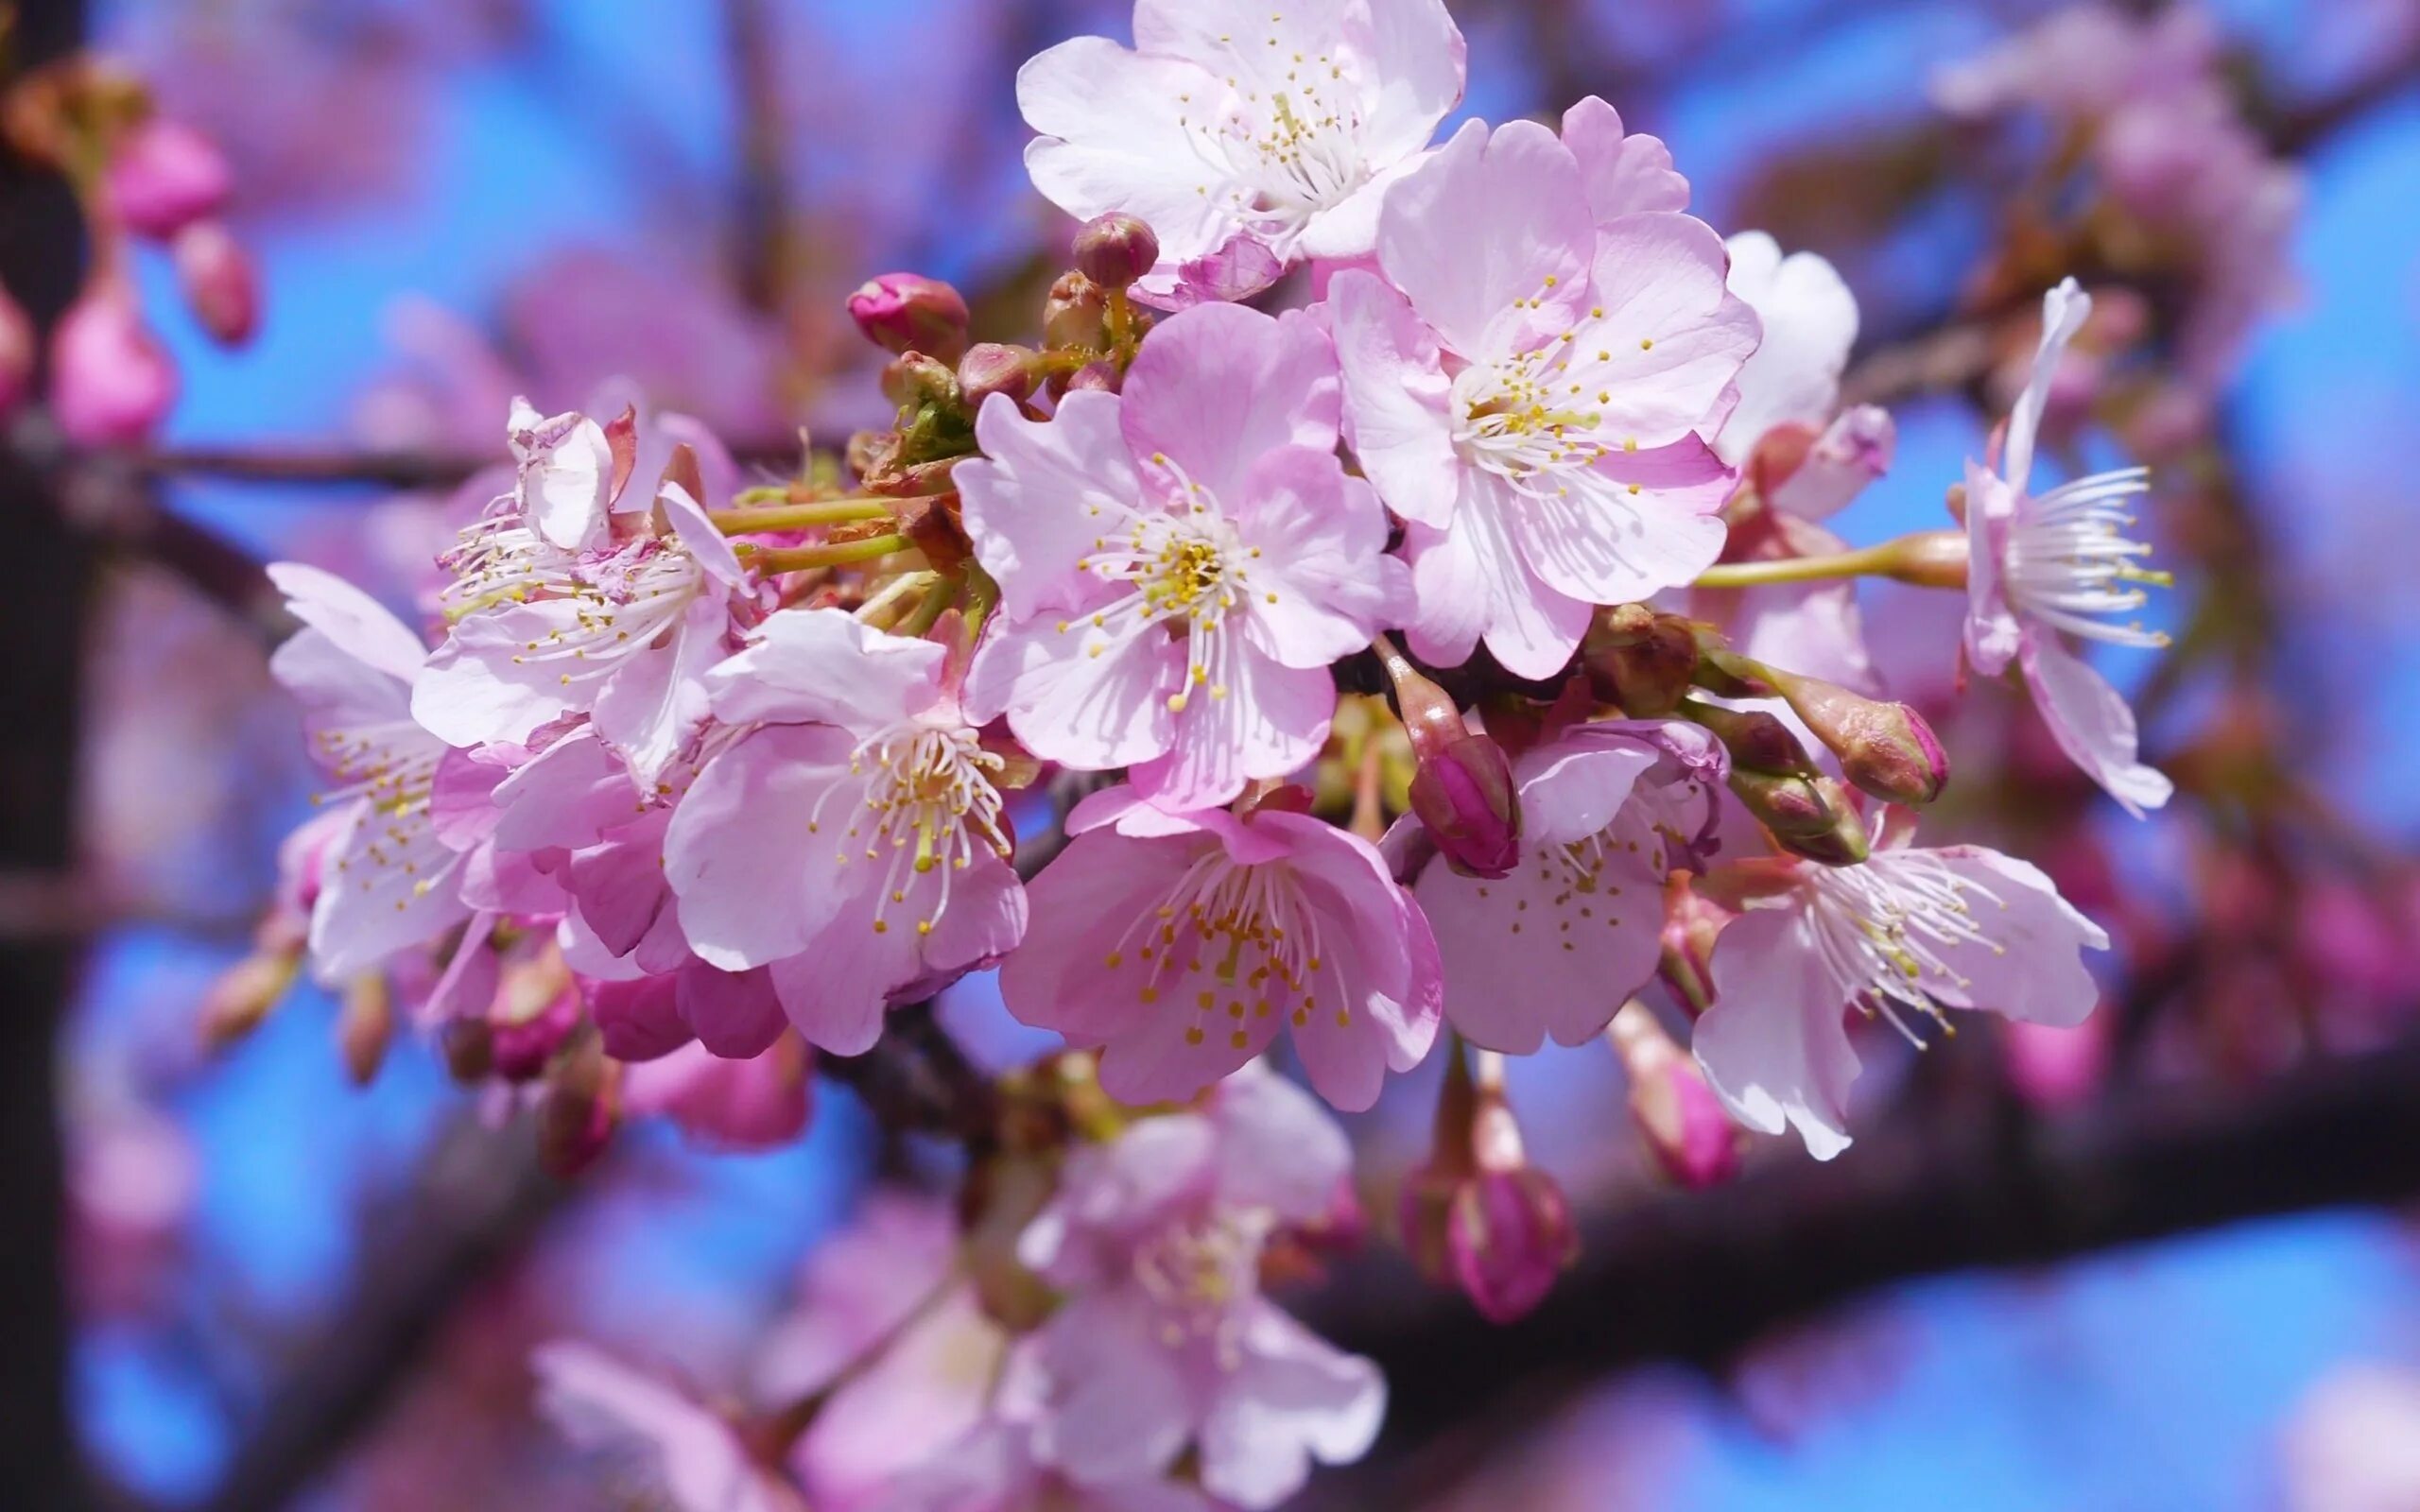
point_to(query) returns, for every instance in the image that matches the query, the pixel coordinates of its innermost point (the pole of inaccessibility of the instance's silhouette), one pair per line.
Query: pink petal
(1483, 223)
(1113, 137)
(1395, 398)
(1774, 1047)
(1624, 173)
(1810, 322)
(1671, 339)
(1042, 493)
(821, 666)
(2091, 722)
(2029, 965)
(740, 852)
(1220, 387)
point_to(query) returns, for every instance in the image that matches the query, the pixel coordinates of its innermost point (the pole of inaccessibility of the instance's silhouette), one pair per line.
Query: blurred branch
(762, 231)
(1696, 1277)
(479, 1199)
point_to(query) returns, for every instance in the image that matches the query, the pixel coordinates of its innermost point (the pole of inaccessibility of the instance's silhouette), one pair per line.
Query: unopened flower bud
(245, 994)
(221, 286)
(1678, 1113)
(1116, 249)
(164, 177)
(577, 1113)
(536, 1009)
(1479, 1214)
(365, 1027)
(1691, 924)
(111, 380)
(1462, 786)
(1757, 741)
(19, 347)
(1641, 660)
(916, 380)
(907, 312)
(1075, 315)
(1096, 377)
(994, 367)
(1846, 844)
(1886, 748)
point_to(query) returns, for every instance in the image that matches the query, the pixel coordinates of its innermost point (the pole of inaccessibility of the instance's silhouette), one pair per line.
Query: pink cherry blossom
(561, 610)
(1809, 320)
(1279, 126)
(2043, 567)
(1179, 564)
(995, 1469)
(1608, 811)
(852, 842)
(676, 1447)
(1625, 172)
(759, 1104)
(1181, 944)
(1525, 388)
(386, 880)
(111, 380)
(1906, 931)
(164, 177)
(1166, 1340)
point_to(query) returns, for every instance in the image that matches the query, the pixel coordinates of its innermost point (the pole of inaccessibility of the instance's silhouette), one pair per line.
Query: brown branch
(1695, 1277)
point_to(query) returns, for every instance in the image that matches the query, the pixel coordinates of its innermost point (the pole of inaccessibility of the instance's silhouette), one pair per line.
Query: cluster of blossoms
(1073, 673)
(139, 176)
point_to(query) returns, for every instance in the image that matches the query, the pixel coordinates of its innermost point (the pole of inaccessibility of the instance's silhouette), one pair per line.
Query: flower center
(1534, 419)
(929, 808)
(1289, 146)
(1199, 1269)
(627, 601)
(1881, 929)
(1241, 939)
(1188, 569)
(392, 768)
(2070, 562)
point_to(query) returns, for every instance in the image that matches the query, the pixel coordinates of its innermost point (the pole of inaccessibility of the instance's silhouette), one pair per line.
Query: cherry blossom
(1232, 127)
(1166, 1340)
(1179, 563)
(1905, 932)
(2045, 566)
(674, 1444)
(1183, 943)
(853, 842)
(386, 880)
(1527, 389)
(1608, 811)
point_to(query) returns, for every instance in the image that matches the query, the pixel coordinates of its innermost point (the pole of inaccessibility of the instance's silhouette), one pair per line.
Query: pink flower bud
(535, 1011)
(1757, 741)
(1075, 315)
(1479, 1214)
(1691, 923)
(111, 380)
(907, 312)
(1463, 788)
(164, 177)
(993, 367)
(1116, 249)
(221, 286)
(1886, 748)
(1675, 1109)
(19, 346)
(1097, 377)
(1812, 817)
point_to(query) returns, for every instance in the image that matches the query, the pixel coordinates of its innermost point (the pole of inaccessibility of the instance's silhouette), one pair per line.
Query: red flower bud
(535, 1011)
(907, 312)
(111, 380)
(1116, 249)
(1097, 377)
(1462, 789)
(1677, 1113)
(221, 286)
(1479, 1214)
(164, 177)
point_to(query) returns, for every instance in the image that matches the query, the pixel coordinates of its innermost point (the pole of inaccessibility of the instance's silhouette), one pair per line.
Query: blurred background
(2168, 1267)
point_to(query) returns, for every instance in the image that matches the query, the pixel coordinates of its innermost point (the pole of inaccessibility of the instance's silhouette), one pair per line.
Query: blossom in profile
(1185, 944)
(1242, 134)
(1166, 1340)
(1179, 563)
(655, 1431)
(852, 841)
(1609, 809)
(1906, 932)
(385, 880)
(2043, 567)
(1527, 389)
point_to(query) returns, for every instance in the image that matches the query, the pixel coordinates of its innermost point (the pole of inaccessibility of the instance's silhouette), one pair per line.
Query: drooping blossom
(562, 607)
(1907, 931)
(1184, 944)
(667, 1442)
(1166, 1340)
(1180, 563)
(2045, 566)
(1608, 812)
(853, 841)
(386, 880)
(1525, 388)
(1244, 134)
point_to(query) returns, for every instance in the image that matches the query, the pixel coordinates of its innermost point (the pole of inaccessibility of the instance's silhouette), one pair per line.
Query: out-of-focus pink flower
(111, 380)
(852, 842)
(2054, 1067)
(2353, 1444)
(677, 1446)
(132, 1181)
(20, 349)
(1184, 944)
(221, 286)
(759, 1104)
(1609, 809)
(1206, 499)
(1215, 128)
(387, 880)
(1906, 931)
(1478, 1215)
(911, 1407)
(1525, 389)
(1677, 1113)
(164, 177)
(995, 1469)
(2086, 59)
(2043, 567)
(1166, 1340)
(1810, 321)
